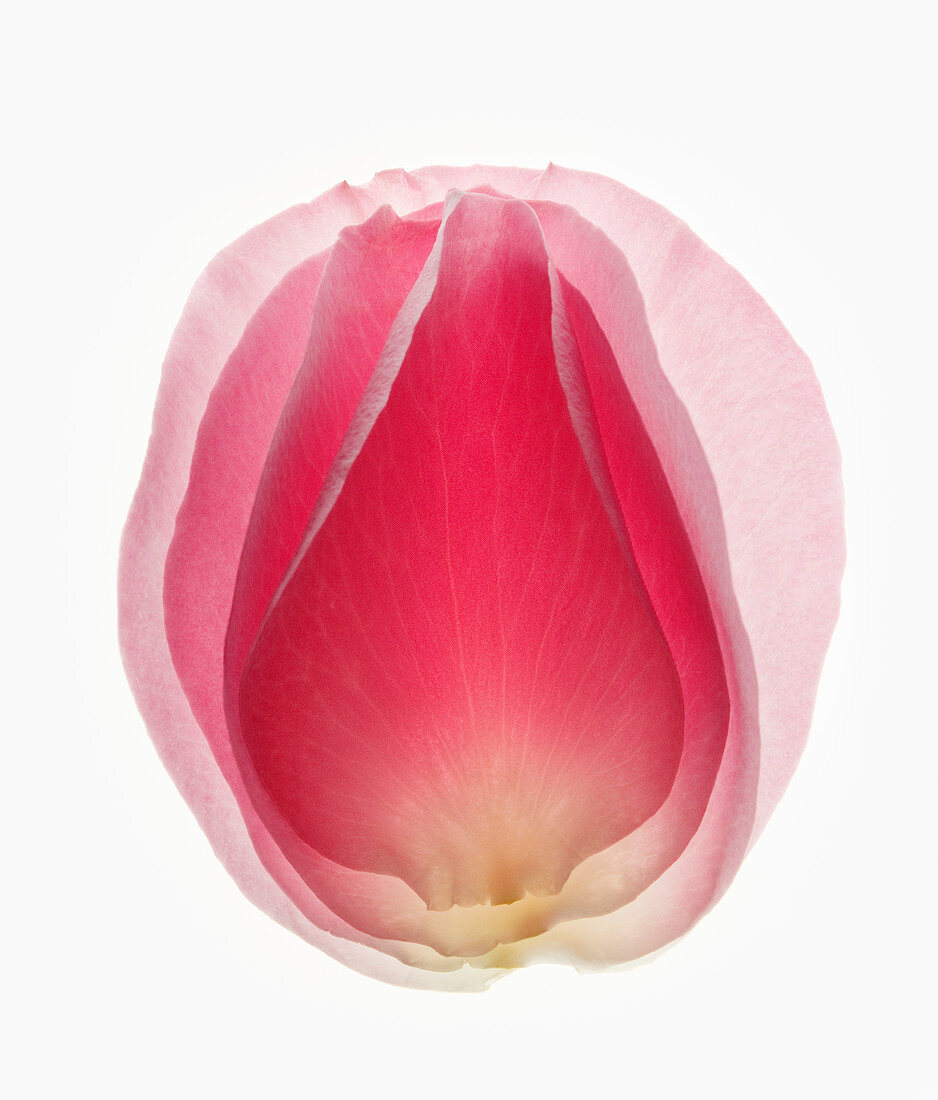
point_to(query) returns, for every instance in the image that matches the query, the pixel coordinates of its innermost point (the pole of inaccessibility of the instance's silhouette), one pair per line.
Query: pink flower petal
(780, 519)
(464, 656)
(371, 271)
(203, 559)
(758, 413)
(756, 496)
(670, 573)
(721, 347)
(225, 298)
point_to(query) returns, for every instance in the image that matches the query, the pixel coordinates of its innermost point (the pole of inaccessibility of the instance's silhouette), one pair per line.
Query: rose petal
(670, 573)
(720, 346)
(781, 520)
(204, 557)
(505, 695)
(224, 299)
(770, 509)
(371, 271)
(757, 410)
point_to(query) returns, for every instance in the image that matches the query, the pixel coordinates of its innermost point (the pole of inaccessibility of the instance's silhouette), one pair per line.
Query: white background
(797, 139)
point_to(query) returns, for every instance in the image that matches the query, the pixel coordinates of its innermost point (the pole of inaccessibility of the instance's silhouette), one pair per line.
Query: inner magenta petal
(370, 272)
(463, 682)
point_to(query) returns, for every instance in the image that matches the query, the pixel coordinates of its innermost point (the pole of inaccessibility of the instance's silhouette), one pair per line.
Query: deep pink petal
(371, 271)
(462, 683)
(606, 880)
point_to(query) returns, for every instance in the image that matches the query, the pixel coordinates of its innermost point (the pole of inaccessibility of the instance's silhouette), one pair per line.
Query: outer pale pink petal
(756, 406)
(408, 192)
(222, 302)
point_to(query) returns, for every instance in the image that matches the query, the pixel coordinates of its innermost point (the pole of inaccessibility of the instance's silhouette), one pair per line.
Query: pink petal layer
(212, 527)
(371, 271)
(201, 568)
(670, 573)
(462, 682)
(224, 299)
(719, 346)
(756, 408)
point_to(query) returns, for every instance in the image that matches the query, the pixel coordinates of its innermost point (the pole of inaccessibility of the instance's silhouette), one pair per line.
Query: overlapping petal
(505, 552)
